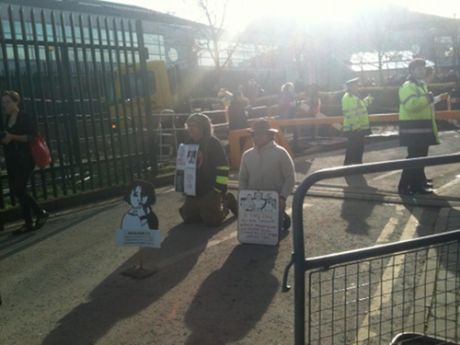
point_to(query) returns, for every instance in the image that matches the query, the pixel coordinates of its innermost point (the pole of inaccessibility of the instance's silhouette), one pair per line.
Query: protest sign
(186, 162)
(139, 237)
(258, 217)
(139, 225)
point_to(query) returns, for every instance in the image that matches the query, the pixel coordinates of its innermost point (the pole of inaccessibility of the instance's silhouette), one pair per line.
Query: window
(155, 46)
(240, 54)
(369, 61)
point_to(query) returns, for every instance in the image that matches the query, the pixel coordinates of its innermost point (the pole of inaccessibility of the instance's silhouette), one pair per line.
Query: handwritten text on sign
(258, 217)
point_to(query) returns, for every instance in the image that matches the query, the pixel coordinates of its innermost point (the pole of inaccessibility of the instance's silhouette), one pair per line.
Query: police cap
(416, 62)
(352, 81)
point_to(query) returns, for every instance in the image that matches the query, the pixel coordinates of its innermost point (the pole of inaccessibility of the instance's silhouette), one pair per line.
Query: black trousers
(355, 148)
(18, 179)
(414, 178)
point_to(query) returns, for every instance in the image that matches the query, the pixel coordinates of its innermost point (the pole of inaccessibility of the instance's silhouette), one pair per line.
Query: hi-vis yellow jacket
(417, 125)
(355, 116)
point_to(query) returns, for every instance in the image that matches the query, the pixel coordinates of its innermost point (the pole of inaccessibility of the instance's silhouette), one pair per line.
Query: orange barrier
(240, 139)
(452, 100)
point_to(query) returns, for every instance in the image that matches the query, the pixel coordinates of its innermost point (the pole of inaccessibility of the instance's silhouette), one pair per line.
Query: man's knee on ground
(189, 217)
(213, 219)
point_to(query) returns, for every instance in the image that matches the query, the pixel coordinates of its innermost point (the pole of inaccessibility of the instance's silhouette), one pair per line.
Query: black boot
(41, 220)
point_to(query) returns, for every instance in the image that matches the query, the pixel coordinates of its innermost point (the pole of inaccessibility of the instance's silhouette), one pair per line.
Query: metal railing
(72, 71)
(344, 288)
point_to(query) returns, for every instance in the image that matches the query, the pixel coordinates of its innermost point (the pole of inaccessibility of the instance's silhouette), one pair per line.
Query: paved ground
(63, 284)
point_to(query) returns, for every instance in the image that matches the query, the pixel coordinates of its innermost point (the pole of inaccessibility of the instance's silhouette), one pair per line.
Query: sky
(241, 12)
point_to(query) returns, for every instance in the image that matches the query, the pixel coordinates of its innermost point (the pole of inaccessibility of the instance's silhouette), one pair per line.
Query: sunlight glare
(326, 12)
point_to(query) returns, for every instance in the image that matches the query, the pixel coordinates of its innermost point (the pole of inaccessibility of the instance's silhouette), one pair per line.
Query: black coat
(18, 155)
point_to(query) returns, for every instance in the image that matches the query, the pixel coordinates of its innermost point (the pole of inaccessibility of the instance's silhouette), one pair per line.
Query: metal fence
(72, 73)
(368, 296)
(371, 300)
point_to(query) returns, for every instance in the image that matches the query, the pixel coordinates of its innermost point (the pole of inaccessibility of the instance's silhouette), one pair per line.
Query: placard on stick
(258, 217)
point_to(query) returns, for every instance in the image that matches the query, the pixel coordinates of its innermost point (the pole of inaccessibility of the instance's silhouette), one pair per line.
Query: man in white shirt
(268, 166)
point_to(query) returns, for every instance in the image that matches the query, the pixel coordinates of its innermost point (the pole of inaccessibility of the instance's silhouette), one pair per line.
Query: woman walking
(20, 130)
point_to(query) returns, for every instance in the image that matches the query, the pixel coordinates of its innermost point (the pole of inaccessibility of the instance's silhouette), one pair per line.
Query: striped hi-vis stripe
(222, 179)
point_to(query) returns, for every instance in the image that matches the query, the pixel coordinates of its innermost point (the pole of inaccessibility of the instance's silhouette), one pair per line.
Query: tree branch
(230, 53)
(224, 15)
(215, 32)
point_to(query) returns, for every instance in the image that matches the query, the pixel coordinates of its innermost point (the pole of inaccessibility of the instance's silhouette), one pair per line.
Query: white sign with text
(258, 217)
(139, 237)
(186, 163)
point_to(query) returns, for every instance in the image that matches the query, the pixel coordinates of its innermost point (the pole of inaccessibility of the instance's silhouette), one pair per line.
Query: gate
(84, 78)
(370, 295)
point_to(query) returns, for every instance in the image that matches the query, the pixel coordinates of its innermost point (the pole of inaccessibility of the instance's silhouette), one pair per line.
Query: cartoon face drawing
(140, 216)
(140, 193)
(257, 195)
(271, 202)
(259, 201)
(136, 199)
(247, 204)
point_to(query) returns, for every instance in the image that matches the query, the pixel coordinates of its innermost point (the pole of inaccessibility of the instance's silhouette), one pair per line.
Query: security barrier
(236, 137)
(354, 299)
(240, 140)
(83, 77)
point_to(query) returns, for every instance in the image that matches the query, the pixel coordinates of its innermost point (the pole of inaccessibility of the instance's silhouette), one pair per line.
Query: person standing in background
(417, 126)
(238, 112)
(430, 74)
(355, 121)
(287, 104)
(20, 130)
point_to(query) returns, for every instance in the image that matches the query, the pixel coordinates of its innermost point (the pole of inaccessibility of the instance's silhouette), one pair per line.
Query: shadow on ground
(10, 245)
(448, 253)
(233, 299)
(119, 297)
(356, 214)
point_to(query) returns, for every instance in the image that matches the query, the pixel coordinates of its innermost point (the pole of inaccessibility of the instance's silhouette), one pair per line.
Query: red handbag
(40, 152)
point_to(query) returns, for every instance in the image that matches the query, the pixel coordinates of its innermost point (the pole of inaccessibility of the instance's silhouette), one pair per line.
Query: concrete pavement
(62, 285)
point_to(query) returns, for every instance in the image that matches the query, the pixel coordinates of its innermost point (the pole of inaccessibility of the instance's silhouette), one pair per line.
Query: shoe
(25, 229)
(286, 222)
(424, 190)
(428, 184)
(41, 220)
(231, 203)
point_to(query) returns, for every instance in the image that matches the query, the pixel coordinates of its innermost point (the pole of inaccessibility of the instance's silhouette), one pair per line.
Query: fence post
(150, 121)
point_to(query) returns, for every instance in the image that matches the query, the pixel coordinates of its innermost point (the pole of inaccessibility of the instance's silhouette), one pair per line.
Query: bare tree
(214, 40)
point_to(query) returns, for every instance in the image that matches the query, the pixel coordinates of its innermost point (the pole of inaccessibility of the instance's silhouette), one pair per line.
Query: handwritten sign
(139, 237)
(258, 217)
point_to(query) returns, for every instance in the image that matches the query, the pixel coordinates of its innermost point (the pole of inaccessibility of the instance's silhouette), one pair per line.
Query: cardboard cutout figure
(140, 215)
(139, 226)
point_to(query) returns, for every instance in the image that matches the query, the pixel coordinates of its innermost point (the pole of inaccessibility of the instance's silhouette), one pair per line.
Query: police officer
(355, 121)
(417, 126)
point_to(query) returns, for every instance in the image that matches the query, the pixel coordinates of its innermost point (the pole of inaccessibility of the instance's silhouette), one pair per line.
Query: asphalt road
(64, 284)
